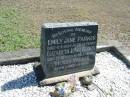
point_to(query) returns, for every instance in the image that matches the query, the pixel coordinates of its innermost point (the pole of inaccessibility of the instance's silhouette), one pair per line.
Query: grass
(21, 20)
(15, 30)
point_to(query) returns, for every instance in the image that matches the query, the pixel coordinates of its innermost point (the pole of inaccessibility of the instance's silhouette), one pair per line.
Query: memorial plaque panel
(68, 47)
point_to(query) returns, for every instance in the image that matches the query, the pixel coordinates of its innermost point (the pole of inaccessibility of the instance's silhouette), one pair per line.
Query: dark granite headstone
(68, 48)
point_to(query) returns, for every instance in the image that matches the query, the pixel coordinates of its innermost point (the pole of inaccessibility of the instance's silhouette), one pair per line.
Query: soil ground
(113, 16)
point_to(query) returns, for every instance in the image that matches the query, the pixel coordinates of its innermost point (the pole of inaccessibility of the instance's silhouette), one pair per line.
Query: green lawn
(16, 30)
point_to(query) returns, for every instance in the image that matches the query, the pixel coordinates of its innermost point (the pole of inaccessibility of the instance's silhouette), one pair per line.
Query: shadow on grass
(22, 82)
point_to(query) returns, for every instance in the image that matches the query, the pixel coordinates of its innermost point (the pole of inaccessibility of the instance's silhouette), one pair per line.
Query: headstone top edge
(68, 24)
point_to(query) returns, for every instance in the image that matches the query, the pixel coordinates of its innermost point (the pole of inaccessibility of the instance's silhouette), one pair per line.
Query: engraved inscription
(70, 52)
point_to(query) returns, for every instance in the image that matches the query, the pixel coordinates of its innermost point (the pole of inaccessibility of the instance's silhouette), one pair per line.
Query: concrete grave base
(114, 75)
(33, 55)
(42, 82)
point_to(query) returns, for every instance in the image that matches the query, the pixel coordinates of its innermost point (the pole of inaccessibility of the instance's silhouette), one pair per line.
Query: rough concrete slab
(22, 56)
(123, 49)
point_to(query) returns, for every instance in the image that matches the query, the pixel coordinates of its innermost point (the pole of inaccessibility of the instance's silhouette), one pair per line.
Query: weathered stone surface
(19, 57)
(68, 47)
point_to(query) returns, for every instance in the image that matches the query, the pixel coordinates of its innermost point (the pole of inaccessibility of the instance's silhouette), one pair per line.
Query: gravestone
(68, 48)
